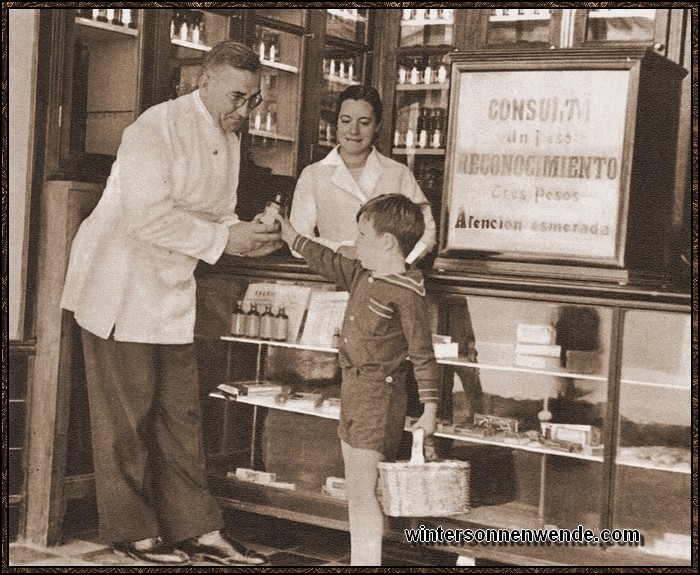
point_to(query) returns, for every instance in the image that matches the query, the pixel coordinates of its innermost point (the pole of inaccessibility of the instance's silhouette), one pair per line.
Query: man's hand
(252, 239)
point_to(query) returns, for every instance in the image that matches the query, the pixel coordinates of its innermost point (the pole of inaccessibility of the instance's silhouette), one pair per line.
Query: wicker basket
(417, 488)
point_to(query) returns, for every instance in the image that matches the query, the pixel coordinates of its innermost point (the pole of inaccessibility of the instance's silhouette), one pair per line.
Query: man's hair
(364, 93)
(398, 215)
(231, 53)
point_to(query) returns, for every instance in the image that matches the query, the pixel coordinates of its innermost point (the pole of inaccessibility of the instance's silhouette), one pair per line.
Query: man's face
(223, 90)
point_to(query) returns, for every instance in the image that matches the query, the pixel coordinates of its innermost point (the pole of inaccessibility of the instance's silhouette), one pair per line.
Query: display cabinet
(99, 91)
(562, 399)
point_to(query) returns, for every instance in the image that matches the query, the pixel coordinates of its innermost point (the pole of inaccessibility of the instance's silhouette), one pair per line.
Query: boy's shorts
(373, 411)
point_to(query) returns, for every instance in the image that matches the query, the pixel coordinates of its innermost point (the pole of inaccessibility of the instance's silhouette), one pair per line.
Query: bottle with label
(252, 321)
(238, 320)
(272, 208)
(281, 326)
(267, 321)
(422, 128)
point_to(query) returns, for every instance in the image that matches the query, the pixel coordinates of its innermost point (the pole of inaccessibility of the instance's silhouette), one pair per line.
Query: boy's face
(369, 245)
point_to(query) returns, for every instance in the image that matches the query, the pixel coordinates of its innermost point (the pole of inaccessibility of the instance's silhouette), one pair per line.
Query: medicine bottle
(267, 320)
(281, 325)
(252, 321)
(238, 320)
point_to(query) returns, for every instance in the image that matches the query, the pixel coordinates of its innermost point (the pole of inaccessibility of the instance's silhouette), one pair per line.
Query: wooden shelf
(422, 87)
(270, 135)
(418, 151)
(191, 45)
(427, 22)
(106, 26)
(340, 80)
(280, 66)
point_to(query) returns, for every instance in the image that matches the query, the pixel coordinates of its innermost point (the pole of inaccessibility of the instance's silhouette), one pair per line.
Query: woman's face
(356, 127)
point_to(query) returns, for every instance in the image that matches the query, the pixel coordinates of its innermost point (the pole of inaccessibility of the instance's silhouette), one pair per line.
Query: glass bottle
(129, 17)
(267, 320)
(415, 73)
(422, 128)
(272, 208)
(252, 321)
(238, 320)
(281, 326)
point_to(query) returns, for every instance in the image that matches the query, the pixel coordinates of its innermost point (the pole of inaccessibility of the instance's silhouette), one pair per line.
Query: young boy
(386, 320)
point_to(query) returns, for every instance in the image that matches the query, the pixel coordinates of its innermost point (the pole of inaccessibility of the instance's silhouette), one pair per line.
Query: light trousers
(148, 452)
(365, 514)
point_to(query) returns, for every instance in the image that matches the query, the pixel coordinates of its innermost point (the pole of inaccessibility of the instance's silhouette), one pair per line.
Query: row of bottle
(265, 325)
(339, 69)
(188, 26)
(427, 14)
(264, 118)
(267, 47)
(429, 130)
(423, 71)
(515, 12)
(114, 16)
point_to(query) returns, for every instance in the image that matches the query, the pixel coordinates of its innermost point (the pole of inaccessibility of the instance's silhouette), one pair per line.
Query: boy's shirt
(386, 319)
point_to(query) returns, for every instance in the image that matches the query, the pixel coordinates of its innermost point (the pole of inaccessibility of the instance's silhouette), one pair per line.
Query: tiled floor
(285, 543)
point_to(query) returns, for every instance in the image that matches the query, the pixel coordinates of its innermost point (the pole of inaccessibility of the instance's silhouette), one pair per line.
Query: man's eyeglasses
(253, 101)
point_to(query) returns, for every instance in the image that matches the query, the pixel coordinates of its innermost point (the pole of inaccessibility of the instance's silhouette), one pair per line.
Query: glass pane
(519, 26)
(274, 124)
(341, 68)
(652, 487)
(427, 27)
(347, 23)
(421, 105)
(291, 16)
(192, 34)
(620, 25)
(105, 79)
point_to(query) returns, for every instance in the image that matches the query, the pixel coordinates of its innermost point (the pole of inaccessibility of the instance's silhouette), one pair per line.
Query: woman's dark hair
(365, 93)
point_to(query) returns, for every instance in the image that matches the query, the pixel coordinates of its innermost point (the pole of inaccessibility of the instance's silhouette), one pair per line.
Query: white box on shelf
(445, 350)
(253, 476)
(536, 333)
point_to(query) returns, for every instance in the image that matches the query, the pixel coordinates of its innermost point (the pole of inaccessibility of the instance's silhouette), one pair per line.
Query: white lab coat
(168, 203)
(328, 197)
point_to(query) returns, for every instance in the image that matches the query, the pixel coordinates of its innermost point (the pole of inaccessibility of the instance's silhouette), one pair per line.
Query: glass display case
(422, 83)
(571, 409)
(521, 27)
(102, 97)
(192, 34)
(274, 125)
(653, 450)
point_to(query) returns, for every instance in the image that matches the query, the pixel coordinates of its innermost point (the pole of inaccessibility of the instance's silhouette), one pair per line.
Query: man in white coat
(169, 202)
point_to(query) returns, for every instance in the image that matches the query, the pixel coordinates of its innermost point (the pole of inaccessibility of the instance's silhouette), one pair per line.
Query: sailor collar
(411, 279)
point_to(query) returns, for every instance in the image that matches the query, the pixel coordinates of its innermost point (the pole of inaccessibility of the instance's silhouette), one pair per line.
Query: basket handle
(417, 457)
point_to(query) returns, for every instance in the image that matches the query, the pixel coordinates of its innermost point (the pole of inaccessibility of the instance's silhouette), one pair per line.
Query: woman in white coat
(330, 192)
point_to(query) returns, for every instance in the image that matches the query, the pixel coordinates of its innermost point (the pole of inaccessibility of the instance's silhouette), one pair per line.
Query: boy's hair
(233, 54)
(398, 215)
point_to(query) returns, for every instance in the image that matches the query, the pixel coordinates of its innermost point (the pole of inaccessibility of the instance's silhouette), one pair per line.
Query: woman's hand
(287, 231)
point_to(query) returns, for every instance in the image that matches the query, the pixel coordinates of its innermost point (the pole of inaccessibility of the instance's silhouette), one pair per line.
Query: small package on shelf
(252, 476)
(250, 388)
(335, 487)
(536, 334)
(444, 347)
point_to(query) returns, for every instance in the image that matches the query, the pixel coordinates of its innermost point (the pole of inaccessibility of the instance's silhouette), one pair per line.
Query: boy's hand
(427, 421)
(287, 231)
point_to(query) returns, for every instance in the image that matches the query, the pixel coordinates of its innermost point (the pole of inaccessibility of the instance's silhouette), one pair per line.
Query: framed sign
(542, 156)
